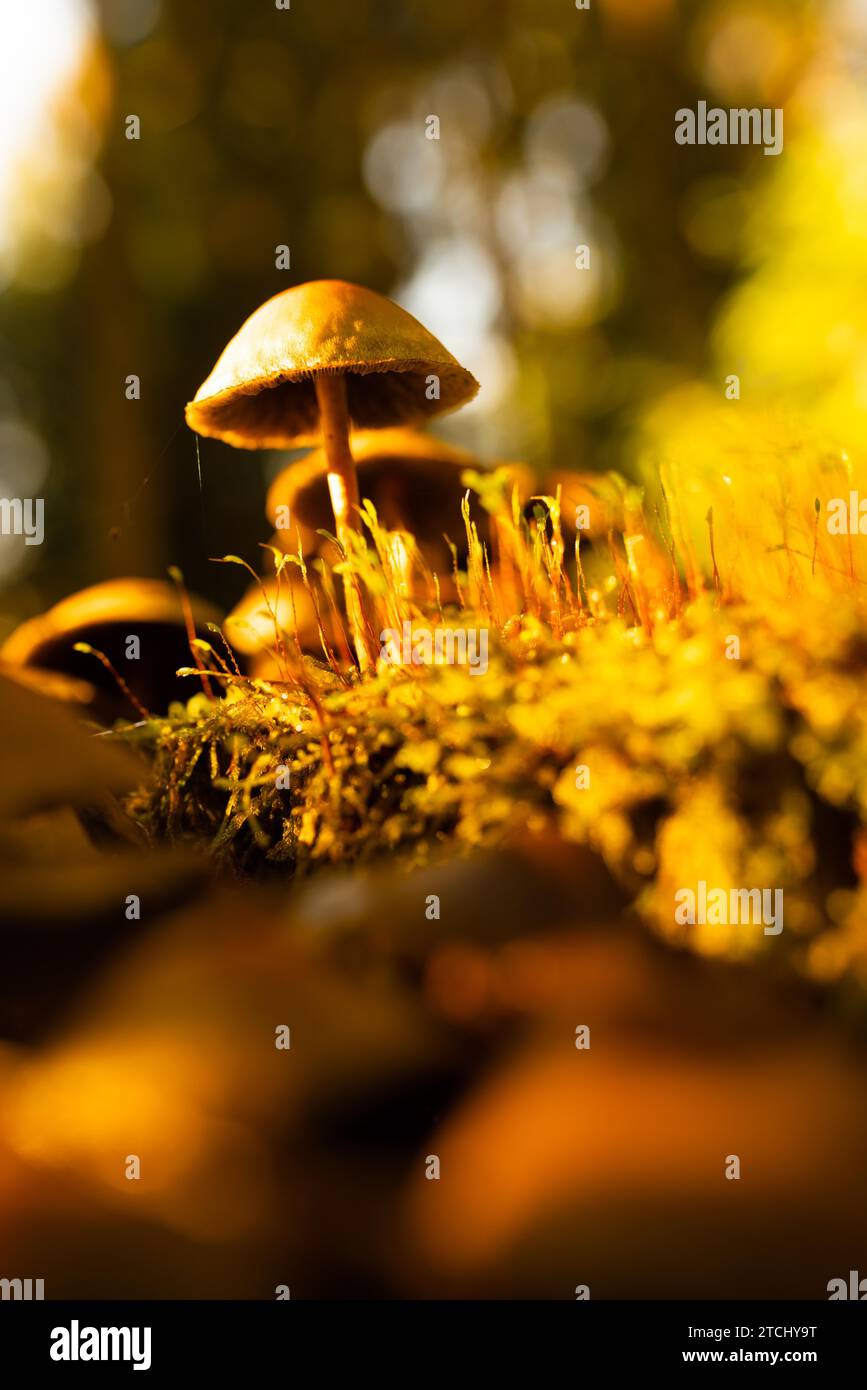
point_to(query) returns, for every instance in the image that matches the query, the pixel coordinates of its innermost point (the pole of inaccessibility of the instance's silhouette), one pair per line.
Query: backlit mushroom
(591, 503)
(317, 359)
(414, 480)
(254, 623)
(105, 617)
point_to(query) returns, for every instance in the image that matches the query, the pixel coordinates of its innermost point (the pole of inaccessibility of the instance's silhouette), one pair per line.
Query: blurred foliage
(306, 127)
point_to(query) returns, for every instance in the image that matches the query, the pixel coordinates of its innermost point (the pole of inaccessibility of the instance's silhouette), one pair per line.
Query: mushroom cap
(598, 492)
(40, 640)
(261, 393)
(418, 472)
(250, 626)
(104, 616)
(381, 457)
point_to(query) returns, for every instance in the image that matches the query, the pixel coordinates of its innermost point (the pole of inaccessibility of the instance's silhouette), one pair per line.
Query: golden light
(48, 194)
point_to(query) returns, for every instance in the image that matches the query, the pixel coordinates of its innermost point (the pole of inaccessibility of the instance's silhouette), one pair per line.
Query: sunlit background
(307, 127)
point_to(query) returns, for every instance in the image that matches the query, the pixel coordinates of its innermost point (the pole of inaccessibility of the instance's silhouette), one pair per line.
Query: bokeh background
(306, 127)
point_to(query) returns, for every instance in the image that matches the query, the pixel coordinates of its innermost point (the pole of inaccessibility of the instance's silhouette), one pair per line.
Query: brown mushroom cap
(250, 626)
(39, 640)
(103, 616)
(424, 472)
(260, 394)
(416, 474)
(600, 493)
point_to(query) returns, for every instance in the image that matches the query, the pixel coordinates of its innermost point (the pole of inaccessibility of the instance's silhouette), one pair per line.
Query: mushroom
(250, 627)
(599, 494)
(104, 617)
(414, 480)
(315, 360)
(317, 357)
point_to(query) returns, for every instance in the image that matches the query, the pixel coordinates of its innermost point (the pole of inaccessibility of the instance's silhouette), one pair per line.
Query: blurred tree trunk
(119, 466)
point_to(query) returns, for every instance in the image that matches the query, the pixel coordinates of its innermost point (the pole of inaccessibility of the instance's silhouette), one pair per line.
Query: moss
(680, 734)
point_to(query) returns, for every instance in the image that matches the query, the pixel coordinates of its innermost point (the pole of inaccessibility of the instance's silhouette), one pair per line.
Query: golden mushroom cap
(260, 394)
(250, 626)
(413, 479)
(77, 617)
(378, 454)
(103, 617)
(600, 493)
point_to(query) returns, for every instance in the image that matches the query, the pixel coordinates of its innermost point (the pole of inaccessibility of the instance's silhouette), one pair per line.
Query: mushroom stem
(342, 478)
(343, 488)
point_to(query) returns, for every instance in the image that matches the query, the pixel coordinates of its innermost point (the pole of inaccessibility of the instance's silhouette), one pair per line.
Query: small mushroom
(250, 627)
(600, 495)
(105, 617)
(315, 360)
(414, 480)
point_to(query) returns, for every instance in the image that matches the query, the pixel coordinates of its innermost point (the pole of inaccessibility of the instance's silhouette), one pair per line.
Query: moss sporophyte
(676, 753)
